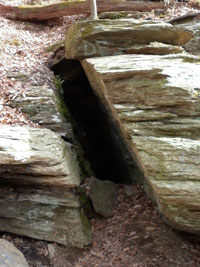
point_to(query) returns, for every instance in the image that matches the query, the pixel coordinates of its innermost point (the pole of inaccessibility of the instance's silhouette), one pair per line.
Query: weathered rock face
(114, 37)
(42, 213)
(10, 256)
(42, 105)
(38, 171)
(37, 156)
(155, 102)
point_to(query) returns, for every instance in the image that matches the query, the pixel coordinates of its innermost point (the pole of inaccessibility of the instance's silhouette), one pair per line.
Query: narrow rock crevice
(103, 146)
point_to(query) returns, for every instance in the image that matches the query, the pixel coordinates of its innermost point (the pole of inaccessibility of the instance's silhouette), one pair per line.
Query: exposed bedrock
(154, 102)
(106, 37)
(39, 175)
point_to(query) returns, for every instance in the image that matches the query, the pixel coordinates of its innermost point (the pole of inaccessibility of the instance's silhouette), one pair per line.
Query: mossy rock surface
(155, 103)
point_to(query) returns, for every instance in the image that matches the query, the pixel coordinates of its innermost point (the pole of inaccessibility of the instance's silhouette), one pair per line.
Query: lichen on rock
(155, 101)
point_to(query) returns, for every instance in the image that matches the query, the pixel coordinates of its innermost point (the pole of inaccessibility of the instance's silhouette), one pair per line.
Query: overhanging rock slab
(93, 38)
(155, 103)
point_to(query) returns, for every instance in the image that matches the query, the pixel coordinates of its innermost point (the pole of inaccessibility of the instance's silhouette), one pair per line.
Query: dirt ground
(136, 235)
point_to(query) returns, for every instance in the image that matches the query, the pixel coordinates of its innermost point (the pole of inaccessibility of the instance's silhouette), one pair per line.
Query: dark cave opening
(92, 124)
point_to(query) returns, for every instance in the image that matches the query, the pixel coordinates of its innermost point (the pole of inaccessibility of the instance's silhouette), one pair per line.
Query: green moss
(85, 203)
(83, 163)
(116, 15)
(59, 99)
(86, 225)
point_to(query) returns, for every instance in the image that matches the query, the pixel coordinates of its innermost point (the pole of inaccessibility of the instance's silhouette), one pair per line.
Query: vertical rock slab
(155, 103)
(94, 38)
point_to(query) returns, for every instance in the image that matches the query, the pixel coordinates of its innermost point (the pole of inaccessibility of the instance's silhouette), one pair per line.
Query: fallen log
(45, 12)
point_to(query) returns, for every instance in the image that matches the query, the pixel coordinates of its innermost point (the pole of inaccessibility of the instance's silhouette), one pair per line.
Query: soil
(136, 235)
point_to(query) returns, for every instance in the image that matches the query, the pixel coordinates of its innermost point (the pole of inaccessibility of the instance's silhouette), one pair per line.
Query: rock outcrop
(37, 156)
(42, 105)
(10, 256)
(38, 173)
(115, 37)
(155, 103)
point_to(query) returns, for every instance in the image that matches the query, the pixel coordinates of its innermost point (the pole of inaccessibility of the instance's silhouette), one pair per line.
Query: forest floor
(136, 235)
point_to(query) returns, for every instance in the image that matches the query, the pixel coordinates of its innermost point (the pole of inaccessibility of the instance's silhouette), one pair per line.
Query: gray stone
(51, 250)
(51, 214)
(103, 195)
(42, 105)
(41, 170)
(37, 156)
(10, 256)
(89, 38)
(155, 103)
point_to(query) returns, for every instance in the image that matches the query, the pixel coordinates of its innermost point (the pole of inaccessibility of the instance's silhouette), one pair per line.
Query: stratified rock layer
(38, 173)
(89, 38)
(37, 156)
(155, 101)
(43, 106)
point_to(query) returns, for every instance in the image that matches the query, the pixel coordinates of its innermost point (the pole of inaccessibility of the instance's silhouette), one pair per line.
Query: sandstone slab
(106, 37)
(37, 156)
(47, 214)
(43, 106)
(155, 103)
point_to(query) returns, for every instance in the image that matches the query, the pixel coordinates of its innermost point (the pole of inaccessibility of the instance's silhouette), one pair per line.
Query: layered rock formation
(43, 106)
(40, 172)
(115, 37)
(155, 101)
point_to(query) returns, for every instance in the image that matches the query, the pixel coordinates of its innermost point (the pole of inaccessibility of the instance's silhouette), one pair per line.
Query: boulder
(37, 156)
(103, 195)
(93, 38)
(10, 256)
(154, 102)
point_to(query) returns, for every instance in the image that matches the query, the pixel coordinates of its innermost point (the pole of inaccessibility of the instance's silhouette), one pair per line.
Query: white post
(93, 9)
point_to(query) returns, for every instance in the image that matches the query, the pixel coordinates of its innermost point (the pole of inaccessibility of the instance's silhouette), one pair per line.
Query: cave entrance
(92, 124)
